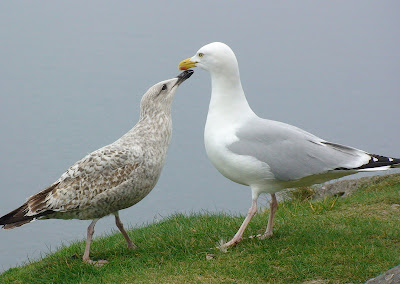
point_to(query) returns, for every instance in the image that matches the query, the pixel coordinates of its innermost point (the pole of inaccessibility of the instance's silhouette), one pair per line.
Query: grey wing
(97, 172)
(292, 153)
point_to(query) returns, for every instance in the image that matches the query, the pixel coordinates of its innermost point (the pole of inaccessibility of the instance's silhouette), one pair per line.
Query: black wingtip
(377, 161)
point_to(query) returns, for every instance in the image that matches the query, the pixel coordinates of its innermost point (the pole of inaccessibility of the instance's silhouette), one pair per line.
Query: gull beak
(183, 76)
(186, 64)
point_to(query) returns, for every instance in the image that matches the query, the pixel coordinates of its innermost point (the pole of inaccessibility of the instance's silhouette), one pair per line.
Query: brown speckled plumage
(111, 178)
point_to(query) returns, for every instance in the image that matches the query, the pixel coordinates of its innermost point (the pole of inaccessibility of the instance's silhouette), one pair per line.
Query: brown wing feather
(35, 202)
(97, 172)
(101, 170)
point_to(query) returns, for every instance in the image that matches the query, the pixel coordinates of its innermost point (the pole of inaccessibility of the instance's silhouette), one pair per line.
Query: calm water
(72, 76)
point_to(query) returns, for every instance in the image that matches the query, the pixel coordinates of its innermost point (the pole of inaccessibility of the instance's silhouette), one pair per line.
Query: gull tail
(16, 218)
(35, 203)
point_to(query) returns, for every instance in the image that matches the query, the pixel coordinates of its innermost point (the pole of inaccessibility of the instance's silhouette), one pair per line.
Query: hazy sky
(72, 74)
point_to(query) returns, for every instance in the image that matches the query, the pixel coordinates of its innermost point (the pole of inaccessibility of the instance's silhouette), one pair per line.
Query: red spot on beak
(182, 68)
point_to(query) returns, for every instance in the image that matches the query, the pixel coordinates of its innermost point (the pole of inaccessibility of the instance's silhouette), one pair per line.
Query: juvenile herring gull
(266, 155)
(111, 178)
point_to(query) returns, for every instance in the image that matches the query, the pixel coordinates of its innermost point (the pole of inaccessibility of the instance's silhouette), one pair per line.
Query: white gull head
(215, 57)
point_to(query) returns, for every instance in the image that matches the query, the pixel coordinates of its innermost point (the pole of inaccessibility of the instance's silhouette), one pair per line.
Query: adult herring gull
(111, 178)
(266, 155)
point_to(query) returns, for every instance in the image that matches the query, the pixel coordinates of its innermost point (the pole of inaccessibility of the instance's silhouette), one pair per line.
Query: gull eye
(201, 54)
(164, 87)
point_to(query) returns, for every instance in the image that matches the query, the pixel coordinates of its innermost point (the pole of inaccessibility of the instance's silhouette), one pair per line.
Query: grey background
(72, 74)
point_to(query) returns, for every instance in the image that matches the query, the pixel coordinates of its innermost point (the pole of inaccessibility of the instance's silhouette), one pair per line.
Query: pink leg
(239, 235)
(90, 232)
(273, 206)
(120, 226)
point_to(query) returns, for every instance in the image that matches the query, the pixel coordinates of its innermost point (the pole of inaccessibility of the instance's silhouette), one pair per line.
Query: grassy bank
(335, 240)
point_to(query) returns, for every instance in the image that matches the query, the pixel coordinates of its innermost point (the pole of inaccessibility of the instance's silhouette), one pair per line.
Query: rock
(344, 187)
(391, 276)
(395, 206)
(210, 256)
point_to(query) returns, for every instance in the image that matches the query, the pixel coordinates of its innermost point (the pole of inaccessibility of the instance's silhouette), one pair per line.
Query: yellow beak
(186, 64)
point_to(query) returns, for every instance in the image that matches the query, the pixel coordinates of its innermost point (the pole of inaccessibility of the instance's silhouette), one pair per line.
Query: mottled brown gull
(111, 178)
(264, 154)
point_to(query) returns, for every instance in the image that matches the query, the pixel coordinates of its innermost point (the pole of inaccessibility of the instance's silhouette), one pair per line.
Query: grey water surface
(72, 74)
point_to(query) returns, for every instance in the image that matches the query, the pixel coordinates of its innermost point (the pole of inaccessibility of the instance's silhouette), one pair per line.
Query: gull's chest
(218, 135)
(219, 132)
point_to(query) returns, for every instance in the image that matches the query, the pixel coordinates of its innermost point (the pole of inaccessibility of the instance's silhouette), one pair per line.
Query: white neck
(227, 96)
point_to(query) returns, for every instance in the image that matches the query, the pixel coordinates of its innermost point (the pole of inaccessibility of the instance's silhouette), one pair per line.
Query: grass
(334, 240)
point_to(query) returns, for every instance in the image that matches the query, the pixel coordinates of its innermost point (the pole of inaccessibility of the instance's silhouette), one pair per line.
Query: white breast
(218, 134)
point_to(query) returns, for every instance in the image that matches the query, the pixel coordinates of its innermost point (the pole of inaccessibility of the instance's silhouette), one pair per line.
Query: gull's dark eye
(164, 87)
